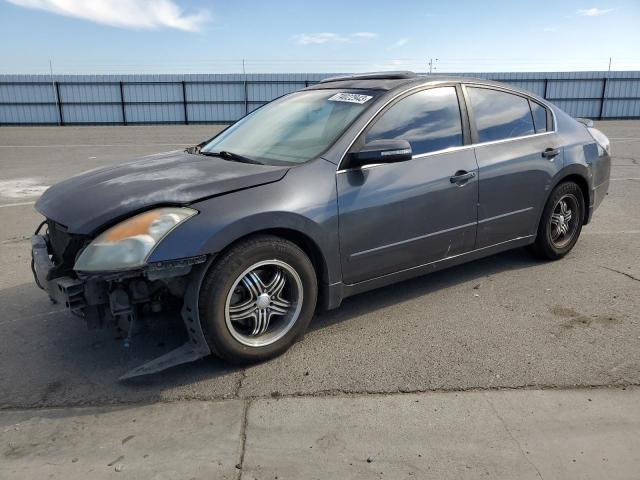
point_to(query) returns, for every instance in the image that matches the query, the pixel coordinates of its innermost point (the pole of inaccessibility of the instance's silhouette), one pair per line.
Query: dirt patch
(565, 312)
(576, 319)
(15, 451)
(51, 389)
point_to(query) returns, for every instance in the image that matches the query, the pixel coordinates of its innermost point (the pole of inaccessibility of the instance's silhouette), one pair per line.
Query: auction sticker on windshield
(350, 98)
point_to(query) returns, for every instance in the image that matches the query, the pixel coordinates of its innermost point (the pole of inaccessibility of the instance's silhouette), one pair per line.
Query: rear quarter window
(539, 116)
(500, 115)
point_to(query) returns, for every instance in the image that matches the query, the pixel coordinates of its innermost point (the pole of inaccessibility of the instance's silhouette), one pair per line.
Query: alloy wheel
(564, 220)
(264, 303)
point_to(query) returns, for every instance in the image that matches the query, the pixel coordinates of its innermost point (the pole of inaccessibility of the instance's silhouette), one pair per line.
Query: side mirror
(381, 151)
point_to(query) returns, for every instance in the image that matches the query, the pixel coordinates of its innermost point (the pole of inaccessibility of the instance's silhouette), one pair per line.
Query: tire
(551, 243)
(231, 313)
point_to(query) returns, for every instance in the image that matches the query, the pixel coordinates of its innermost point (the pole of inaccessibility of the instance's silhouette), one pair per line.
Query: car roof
(396, 80)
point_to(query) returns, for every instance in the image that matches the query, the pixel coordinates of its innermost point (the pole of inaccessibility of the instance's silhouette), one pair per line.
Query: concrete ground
(512, 434)
(504, 322)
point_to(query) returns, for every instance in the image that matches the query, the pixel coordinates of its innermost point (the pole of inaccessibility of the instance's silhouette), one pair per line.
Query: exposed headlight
(129, 243)
(601, 139)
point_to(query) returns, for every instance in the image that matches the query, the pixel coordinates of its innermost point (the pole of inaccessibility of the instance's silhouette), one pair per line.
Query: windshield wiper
(231, 156)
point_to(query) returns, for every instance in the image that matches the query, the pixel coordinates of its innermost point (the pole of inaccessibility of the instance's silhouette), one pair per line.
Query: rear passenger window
(499, 115)
(539, 116)
(429, 120)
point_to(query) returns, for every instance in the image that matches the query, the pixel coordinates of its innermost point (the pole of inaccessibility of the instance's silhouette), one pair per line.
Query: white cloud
(594, 12)
(136, 14)
(395, 64)
(364, 35)
(330, 37)
(398, 44)
(550, 29)
(318, 38)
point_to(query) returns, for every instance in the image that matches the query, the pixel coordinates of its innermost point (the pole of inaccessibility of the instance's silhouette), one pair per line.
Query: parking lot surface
(504, 434)
(506, 321)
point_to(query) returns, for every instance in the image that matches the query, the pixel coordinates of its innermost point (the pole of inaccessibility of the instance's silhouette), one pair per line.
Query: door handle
(550, 153)
(462, 176)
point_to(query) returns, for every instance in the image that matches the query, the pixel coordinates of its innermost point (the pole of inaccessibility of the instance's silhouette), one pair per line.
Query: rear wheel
(561, 222)
(257, 299)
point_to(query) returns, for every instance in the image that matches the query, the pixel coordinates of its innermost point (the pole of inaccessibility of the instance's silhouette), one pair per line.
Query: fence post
(60, 117)
(602, 97)
(184, 103)
(246, 97)
(124, 113)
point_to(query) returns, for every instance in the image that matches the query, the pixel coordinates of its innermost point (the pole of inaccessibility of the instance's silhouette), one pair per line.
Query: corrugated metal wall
(581, 94)
(223, 98)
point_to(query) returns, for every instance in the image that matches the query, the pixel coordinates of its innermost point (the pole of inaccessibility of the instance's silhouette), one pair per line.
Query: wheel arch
(306, 243)
(578, 175)
(584, 187)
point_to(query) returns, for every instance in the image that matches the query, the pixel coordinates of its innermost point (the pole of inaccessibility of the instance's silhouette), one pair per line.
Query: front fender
(303, 202)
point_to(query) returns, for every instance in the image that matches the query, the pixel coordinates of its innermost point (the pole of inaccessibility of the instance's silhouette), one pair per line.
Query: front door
(398, 216)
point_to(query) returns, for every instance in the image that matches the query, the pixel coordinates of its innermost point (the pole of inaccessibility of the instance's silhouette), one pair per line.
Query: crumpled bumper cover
(81, 295)
(64, 290)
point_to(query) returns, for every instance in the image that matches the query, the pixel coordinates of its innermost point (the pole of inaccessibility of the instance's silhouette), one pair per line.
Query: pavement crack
(513, 438)
(621, 273)
(345, 393)
(243, 375)
(243, 438)
(22, 238)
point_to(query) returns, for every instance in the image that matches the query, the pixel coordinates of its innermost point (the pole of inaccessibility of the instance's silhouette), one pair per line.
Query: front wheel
(561, 222)
(257, 299)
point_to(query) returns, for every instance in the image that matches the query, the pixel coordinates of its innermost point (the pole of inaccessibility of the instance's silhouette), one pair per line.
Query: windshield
(294, 128)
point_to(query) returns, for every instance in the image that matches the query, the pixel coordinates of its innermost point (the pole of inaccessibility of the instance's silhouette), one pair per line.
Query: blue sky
(127, 36)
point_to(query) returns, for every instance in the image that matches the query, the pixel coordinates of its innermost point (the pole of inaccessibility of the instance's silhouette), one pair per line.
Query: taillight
(601, 139)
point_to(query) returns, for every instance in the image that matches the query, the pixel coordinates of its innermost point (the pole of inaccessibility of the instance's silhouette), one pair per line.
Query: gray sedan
(349, 185)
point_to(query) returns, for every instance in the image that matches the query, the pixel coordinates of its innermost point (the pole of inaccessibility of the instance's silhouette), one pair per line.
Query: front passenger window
(429, 120)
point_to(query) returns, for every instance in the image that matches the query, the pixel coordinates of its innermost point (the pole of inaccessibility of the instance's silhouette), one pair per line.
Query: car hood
(86, 202)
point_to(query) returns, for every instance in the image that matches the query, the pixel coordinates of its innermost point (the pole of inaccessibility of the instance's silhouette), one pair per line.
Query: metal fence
(223, 98)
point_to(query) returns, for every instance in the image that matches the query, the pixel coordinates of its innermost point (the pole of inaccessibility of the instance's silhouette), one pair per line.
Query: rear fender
(579, 174)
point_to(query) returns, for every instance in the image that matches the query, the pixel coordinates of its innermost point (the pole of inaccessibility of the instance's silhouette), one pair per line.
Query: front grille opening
(64, 248)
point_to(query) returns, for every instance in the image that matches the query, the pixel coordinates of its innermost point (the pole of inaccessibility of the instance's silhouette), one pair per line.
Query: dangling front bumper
(118, 297)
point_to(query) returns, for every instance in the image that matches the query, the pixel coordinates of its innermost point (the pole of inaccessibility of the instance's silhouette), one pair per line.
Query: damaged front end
(120, 298)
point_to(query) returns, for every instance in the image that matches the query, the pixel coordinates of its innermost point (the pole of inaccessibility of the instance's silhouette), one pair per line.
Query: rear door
(401, 215)
(517, 158)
